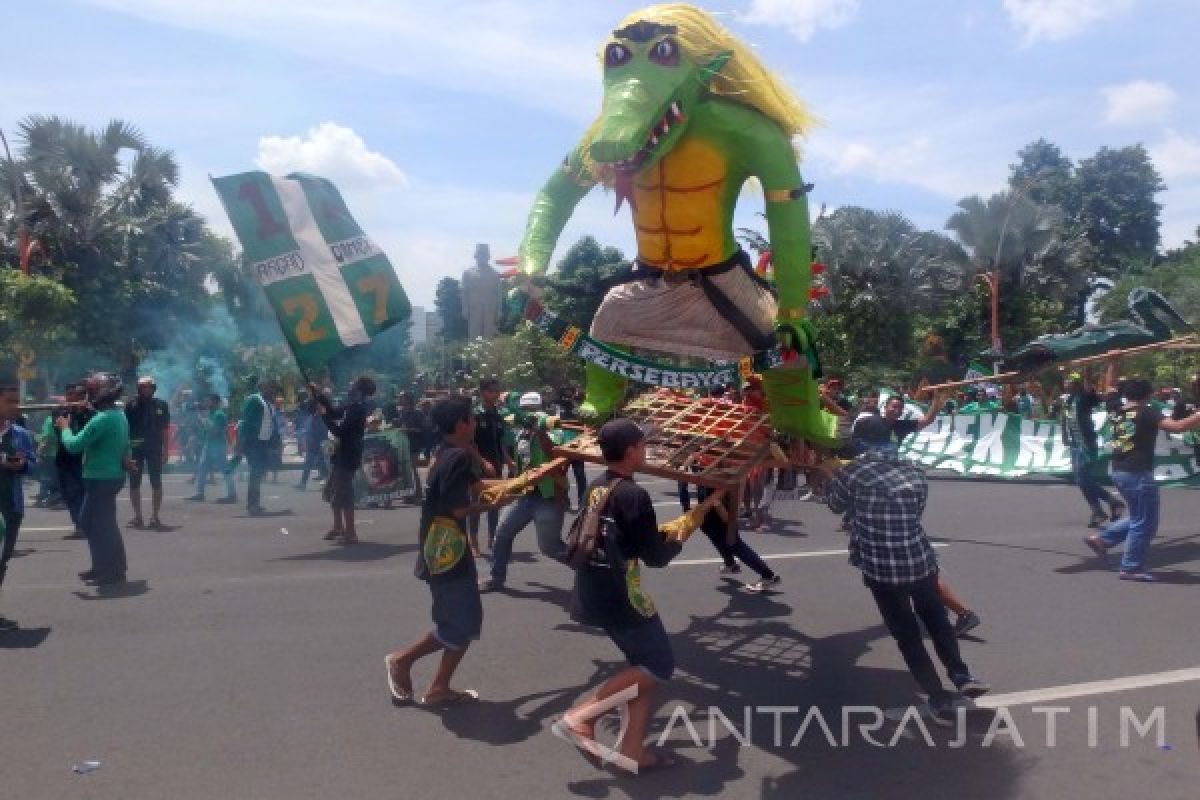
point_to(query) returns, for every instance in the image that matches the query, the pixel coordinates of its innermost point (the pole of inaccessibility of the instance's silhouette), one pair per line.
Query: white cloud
(801, 18)
(330, 151)
(1138, 102)
(1055, 20)
(528, 51)
(1177, 156)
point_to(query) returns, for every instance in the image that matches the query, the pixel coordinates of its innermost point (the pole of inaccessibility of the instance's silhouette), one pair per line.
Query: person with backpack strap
(608, 592)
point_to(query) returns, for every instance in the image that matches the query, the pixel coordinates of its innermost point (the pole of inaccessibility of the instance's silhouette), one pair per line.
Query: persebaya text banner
(1005, 445)
(644, 370)
(331, 287)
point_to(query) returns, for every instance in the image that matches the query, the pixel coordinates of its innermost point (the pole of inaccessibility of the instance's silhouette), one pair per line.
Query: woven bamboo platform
(698, 441)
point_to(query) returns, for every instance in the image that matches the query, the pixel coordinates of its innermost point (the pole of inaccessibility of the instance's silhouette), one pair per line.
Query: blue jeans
(1081, 469)
(547, 517)
(314, 460)
(1138, 528)
(99, 520)
(212, 459)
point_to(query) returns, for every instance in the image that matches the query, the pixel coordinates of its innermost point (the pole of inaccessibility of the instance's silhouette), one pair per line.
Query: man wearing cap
(885, 496)
(1078, 432)
(545, 506)
(609, 594)
(149, 419)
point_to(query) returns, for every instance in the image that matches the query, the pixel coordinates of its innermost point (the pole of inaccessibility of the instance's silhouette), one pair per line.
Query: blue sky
(439, 121)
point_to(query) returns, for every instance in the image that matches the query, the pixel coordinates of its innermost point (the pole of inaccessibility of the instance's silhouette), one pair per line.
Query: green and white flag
(331, 287)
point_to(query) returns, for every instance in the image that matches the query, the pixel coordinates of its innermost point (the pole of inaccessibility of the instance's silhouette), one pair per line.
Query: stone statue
(482, 294)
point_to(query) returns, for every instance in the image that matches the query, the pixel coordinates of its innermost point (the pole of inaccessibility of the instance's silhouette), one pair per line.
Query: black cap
(618, 435)
(873, 431)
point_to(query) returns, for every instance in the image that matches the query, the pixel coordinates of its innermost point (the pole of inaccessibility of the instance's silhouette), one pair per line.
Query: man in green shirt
(104, 443)
(545, 506)
(212, 452)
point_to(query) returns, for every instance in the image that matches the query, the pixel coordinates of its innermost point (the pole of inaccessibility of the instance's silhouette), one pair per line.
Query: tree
(1044, 174)
(1113, 205)
(880, 270)
(99, 203)
(576, 289)
(448, 302)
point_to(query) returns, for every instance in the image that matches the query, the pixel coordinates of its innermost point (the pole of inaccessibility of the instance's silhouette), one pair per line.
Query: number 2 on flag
(306, 304)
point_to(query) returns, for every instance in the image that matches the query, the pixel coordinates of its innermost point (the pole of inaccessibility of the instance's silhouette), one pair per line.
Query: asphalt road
(245, 660)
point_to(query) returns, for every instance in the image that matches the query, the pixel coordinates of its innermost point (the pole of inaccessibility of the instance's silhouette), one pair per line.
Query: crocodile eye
(666, 52)
(616, 54)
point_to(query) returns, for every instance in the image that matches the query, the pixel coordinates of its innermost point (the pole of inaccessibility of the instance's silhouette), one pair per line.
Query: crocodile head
(650, 87)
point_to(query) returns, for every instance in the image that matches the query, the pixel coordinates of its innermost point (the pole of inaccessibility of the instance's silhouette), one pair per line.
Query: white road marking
(1071, 690)
(1067, 691)
(773, 556)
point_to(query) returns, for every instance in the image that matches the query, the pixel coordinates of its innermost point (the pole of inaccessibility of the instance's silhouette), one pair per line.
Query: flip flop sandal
(564, 731)
(454, 697)
(400, 695)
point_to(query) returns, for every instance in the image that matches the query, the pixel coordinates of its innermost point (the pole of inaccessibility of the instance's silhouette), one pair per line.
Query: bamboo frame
(1179, 342)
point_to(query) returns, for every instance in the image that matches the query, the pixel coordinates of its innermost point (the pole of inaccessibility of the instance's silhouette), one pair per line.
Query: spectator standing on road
(608, 594)
(314, 434)
(886, 496)
(212, 454)
(1135, 427)
(18, 457)
(568, 411)
(349, 424)
(545, 506)
(490, 434)
(149, 419)
(105, 445)
(1078, 432)
(444, 561)
(256, 430)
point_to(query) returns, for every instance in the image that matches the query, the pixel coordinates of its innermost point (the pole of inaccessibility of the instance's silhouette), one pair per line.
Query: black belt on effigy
(702, 277)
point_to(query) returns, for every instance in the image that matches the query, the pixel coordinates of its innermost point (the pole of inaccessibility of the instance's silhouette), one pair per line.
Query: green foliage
(576, 288)
(525, 360)
(35, 312)
(448, 302)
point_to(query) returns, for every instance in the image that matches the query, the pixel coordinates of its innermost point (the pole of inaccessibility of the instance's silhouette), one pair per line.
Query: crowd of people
(477, 443)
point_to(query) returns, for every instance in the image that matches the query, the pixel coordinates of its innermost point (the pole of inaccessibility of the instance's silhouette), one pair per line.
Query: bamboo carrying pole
(1179, 342)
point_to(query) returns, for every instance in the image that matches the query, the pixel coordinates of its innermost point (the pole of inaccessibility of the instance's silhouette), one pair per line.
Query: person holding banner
(349, 424)
(1135, 427)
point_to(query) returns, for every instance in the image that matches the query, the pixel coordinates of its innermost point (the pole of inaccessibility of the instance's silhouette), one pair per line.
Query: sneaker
(970, 686)
(965, 623)
(806, 496)
(942, 710)
(196, 498)
(1118, 511)
(488, 585)
(7, 624)
(1139, 576)
(1098, 519)
(137, 523)
(763, 585)
(729, 569)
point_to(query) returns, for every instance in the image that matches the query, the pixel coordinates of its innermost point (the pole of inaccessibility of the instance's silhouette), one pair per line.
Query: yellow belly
(677, 208)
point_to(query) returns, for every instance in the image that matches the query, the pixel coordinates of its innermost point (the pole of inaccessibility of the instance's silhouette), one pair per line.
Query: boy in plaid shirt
(885, 496)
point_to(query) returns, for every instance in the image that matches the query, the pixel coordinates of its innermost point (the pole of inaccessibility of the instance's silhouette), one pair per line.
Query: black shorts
(339, 488)
(646, 646)
(457, 611)
(148, 461)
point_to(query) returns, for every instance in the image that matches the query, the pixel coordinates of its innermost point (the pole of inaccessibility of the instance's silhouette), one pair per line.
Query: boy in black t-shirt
(445, 562)
(609, 594)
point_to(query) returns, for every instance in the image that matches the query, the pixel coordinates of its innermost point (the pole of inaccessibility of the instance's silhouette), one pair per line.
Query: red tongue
(623, 186)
